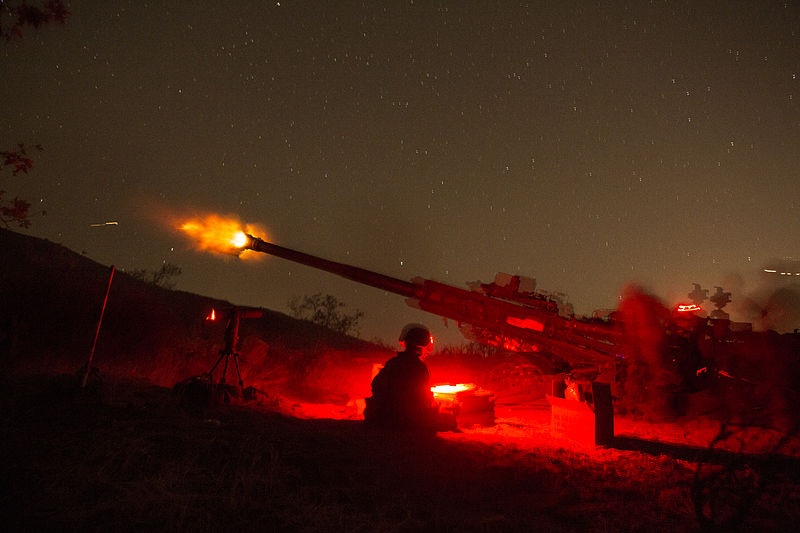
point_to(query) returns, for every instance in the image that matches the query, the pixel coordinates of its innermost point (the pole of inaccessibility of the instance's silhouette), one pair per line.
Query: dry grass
(125, 457)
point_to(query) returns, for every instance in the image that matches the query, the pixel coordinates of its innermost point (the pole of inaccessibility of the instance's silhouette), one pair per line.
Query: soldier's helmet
(415, 335)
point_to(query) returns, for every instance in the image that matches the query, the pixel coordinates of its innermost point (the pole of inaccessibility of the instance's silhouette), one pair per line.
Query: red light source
(688, 308)
(212, 316)
(527, 323)
(467, 402)
(440, 390)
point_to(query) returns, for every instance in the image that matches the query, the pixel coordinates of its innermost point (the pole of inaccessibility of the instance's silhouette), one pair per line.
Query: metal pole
(97, 333)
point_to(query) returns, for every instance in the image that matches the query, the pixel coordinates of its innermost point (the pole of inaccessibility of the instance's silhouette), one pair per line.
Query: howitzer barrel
(360, 275)
(501, 319)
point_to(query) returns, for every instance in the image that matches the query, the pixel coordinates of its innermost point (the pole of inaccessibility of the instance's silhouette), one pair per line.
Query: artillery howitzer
(490, 314)
(653, 355)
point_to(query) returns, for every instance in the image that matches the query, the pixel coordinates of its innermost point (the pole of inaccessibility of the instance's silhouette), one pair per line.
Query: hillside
(52, 298)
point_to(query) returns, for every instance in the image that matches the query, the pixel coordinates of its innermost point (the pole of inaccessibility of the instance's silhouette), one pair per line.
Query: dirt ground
(125, 456)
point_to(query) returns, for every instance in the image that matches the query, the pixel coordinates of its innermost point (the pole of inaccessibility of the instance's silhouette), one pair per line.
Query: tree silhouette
(14, 16)
(326, 311)
(162, 277)
(17, 210)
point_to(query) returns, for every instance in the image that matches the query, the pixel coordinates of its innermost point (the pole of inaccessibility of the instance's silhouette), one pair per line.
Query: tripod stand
(227, 355)
(229, 351)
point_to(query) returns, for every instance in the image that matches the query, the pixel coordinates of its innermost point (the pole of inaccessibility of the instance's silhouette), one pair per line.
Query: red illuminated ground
(527, 425)
(126, 454)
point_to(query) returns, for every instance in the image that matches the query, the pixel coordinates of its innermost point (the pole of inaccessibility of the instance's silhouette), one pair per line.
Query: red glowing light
(688, 308)
(212, 316)
(376, 367)
(450, 390)
(427, 350)
(527, 323)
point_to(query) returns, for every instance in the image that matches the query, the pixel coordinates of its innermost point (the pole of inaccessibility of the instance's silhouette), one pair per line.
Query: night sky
(585, 144)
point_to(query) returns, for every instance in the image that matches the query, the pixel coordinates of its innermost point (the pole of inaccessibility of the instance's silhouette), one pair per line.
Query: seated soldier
(401, 392)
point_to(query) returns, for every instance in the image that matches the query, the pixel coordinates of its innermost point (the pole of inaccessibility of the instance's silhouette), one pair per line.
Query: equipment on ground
(228, 352)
